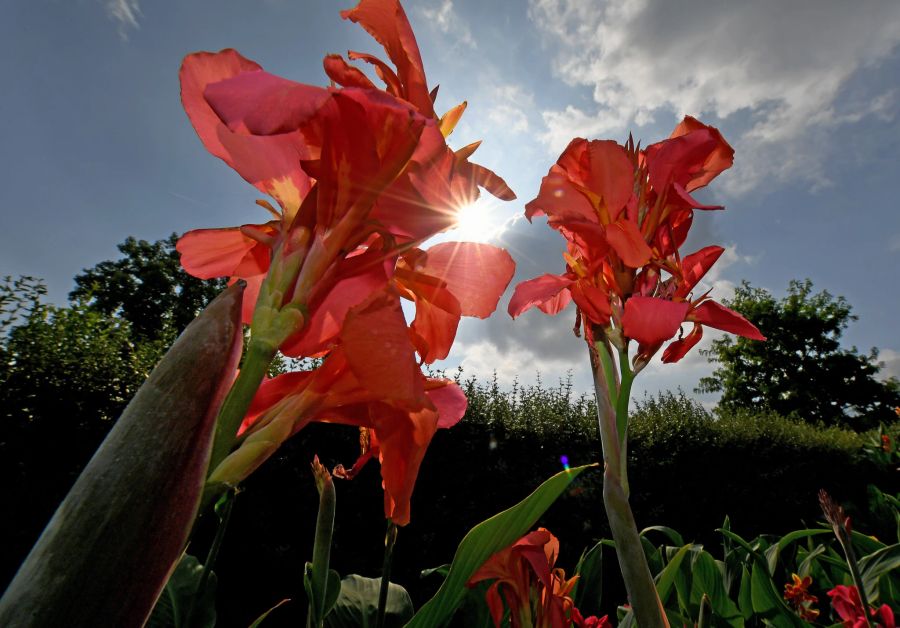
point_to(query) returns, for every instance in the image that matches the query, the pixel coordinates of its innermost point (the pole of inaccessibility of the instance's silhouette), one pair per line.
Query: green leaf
(487, 538)
(588, 590)
(666, 577)
(357, 604)
(174, 603)
(807, 564)
(333, 591)
(441, 570)
(261, 618)
(707, 581)
(673, 536)
(745, 600)
(875, 565)
(773, 553)
(767, 601)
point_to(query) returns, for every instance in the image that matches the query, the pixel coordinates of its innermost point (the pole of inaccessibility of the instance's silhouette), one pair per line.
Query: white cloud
(891, 361)
(126, 13)
(482, 359)
(509, 107)
(447, 21)
(775, 69)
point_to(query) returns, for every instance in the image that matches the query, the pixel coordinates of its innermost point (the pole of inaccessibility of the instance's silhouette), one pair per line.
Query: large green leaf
(259, 620)
(666, 577)
(707, 580)
(767, 601)
(774, 552)
(178, 597)
(875, 565)
(487, 538)
(588, 589)
(357, 604)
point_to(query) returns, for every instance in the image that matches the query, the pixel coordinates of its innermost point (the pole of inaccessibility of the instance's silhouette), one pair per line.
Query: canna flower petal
(476, 274)
(378, 350)
(678, 349)
(271, 164)
(211, 253)
(652, 321)
(719, 159)
(712, 314)
(548, 292)
(386, 21)
(610, 174)
(695, 266)
(627, 241)
(592, 301)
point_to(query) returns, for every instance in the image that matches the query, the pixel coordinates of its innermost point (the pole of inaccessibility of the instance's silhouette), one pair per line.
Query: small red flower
(798, 596)
(849, 607)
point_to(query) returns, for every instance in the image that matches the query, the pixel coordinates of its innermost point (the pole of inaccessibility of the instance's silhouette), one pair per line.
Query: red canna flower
(797, 594)
(847, 604)
(525, 581)
(625, 212)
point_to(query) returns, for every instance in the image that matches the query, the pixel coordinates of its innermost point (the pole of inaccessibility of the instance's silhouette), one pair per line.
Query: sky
(96, 147)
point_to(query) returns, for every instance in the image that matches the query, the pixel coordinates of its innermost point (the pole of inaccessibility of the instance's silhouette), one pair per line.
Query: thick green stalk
(629, 551)
(390, 538)
(212, 556)
(253, 369)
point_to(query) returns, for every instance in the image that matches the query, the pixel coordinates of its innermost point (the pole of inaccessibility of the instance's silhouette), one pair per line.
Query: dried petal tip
(321, 475)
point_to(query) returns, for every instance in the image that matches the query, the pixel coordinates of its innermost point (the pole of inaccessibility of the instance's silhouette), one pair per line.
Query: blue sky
(96, 146)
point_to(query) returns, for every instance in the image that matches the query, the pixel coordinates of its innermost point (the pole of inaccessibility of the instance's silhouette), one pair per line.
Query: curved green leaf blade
(875, 565)
(487, 538)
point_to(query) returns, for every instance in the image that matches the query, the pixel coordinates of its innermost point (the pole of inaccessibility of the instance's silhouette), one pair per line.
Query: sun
(476, 222)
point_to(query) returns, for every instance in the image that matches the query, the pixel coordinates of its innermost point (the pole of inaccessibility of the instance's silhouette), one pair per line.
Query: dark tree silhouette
(801, 369)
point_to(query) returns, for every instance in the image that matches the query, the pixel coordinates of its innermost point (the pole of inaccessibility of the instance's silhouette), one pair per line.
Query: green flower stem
(256, 363)
(629, 551)
(212, 556)
(390, 538)
(322, 544)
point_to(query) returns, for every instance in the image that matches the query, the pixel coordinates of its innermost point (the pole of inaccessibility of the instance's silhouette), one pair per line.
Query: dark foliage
(147, 287)
(801, 369)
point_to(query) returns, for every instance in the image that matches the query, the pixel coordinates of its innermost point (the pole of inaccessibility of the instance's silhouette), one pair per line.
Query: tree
(147, 287)
(801, 369)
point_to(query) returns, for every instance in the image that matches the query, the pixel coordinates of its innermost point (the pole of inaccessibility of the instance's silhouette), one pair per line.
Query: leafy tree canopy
(147, 287)
(801, 369)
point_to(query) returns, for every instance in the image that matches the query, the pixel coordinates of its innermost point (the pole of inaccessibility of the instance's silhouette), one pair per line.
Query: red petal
(626, 239)
(592, 301)
(339, 71)
(450, 401)
(611, 174)
(386, 21)
(652, 321)
(691, 160)
(402, 440)
(210, 253)
(540, 290)
(695, 266)
(378, 350)
(273, 390)
(476, 274)
(712, 314)
(678, 349)
(719, 159)
(560, 200)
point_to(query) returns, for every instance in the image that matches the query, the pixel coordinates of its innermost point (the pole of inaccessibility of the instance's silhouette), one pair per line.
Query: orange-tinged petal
(715, 315)
(719, 159)
(375, 341)
(611, 174)
(560, 200)
(652, 321)
(450, 401)
(386, 21)
(450, 119)
(695, 266)
(627, 241)
(210, 253)
(344, 74)
(678, 349)
(476, 274)
(552, 290)
(592, 301)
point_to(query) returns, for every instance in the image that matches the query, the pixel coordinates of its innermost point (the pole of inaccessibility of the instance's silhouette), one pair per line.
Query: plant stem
(629, 551)
(390, 538)
(321, 545)
(234, 408)
(211, 557)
